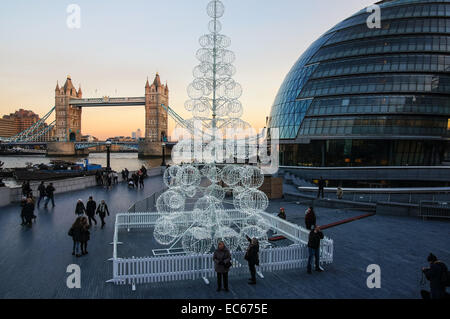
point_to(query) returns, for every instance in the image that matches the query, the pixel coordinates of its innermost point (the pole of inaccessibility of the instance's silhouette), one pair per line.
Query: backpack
(70, 232)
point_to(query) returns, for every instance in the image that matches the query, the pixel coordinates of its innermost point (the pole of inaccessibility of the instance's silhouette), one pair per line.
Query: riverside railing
(429, 209)
(388, 195)
(190, 267)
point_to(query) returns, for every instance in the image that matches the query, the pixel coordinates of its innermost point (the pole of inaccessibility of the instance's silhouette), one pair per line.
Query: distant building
(23, 119)
(133, 135)
(19, 121)
(7, 127)
(89, 138)
(138, 134)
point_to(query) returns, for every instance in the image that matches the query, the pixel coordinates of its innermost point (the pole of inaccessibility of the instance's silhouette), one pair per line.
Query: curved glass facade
(368, 97)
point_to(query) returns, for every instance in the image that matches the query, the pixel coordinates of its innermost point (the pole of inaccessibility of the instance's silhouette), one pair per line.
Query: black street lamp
(108, 155)
(163, 144)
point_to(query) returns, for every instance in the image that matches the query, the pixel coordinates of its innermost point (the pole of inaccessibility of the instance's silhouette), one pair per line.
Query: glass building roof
(390, 77)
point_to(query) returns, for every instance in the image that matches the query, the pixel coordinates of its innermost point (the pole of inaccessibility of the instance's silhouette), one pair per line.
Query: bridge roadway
(33, 261)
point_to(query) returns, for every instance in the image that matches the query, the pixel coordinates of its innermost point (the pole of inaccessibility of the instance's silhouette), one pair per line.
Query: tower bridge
(69, 104)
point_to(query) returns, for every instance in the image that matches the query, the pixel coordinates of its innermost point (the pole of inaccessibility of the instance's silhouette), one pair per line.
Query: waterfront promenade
(33, 261)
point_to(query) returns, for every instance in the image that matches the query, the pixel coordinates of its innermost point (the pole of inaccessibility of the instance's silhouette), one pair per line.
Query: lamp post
(163, 144)
(108, 155)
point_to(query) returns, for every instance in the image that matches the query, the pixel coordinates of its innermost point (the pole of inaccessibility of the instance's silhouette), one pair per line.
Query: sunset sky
(120, 43)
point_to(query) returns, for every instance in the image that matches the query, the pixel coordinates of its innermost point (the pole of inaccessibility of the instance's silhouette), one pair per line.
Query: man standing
(102, 210)
(437, 275)
(314, 248)
(90, 210)
(321, 187)
(49, 192)
(42, 192)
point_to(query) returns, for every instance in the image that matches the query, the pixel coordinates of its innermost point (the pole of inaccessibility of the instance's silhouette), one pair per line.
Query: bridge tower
(156, 118)
(68, 120)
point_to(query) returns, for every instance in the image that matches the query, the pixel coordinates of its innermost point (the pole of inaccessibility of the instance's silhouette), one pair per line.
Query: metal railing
(190, 267)
(430, 209)
(388, 195)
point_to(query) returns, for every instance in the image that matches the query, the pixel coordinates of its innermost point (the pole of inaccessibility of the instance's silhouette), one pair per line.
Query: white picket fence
(146, 270)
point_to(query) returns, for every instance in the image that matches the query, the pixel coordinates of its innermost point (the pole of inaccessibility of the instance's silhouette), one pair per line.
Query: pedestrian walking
(321, 187)
(310, 218)
(438, 276)
(26, 188)
(91, 207)
(98, 178)
(115, 178)
(23, 202)
(222, 264)
(102, 211)
(28, 212)
(252, 257)
(141, 180)
(85, 235)
(315, 236)
(50, 194)
(127, 174)
(80, 209)
(42, 193)
(135, 178)
(75, 233)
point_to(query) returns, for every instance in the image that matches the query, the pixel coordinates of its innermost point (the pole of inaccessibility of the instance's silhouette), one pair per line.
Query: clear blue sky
(120, 43)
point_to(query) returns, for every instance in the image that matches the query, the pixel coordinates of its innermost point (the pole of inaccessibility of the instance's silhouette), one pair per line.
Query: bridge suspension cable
(35, 131)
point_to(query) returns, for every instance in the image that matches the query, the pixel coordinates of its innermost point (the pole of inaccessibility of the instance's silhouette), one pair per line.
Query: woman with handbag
(252, 257)
(75, 233)
(85, 235)
(222, 262)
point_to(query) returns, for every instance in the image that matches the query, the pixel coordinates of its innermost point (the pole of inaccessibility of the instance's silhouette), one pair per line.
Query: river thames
(119, 161)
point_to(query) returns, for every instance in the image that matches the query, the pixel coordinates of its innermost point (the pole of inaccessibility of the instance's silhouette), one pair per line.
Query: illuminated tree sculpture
(193, 208)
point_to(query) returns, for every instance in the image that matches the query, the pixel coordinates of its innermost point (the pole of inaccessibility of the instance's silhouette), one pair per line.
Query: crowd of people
(28, 202)
(107, 178)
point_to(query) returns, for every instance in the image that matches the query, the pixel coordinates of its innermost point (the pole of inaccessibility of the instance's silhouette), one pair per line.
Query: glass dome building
(371, 97)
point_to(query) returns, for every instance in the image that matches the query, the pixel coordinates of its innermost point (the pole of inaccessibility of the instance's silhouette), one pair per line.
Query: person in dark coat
(252, 257)
(321, 187)
(91, 207)
(28, 212)
(141, 180)
(42, 192)
(98, 178)
(282, 214)
(80, 210)
(135, 178)
(144, 171)
(310, 218)
(435, 274)
(314, 248)
(75, 233)
(222, 264)
(23, 202)
(50, 193)
(102, 210)
(85, 235)
(26, 188)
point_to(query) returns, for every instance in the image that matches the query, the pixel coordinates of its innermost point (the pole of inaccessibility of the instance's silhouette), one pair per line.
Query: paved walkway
(33, 261)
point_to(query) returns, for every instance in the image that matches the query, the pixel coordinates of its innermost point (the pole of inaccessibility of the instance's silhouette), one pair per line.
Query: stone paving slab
(33, 261)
